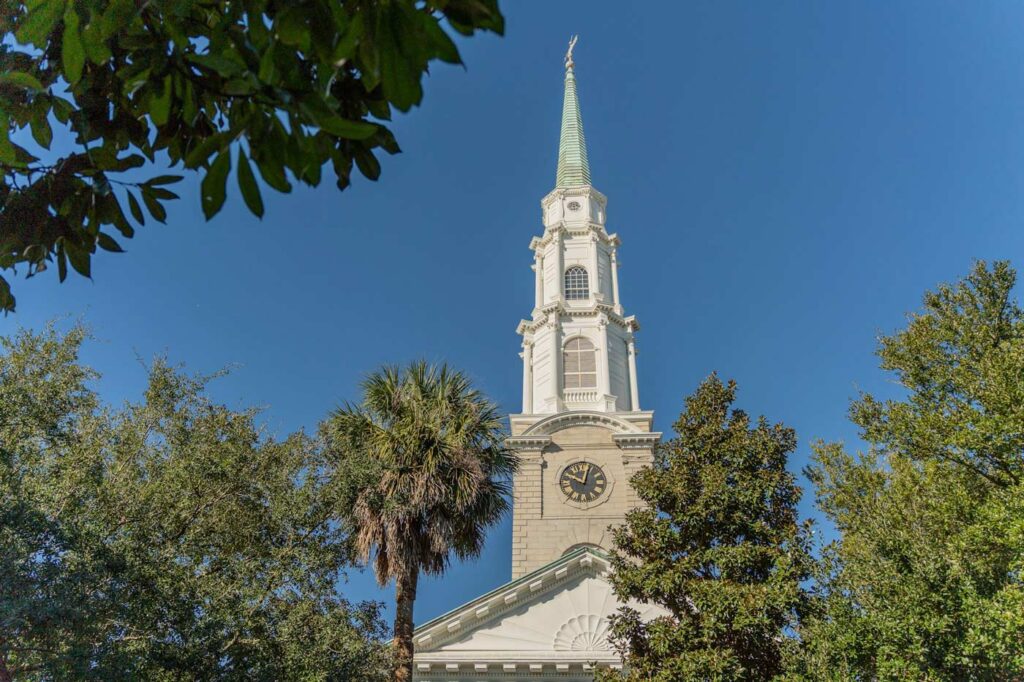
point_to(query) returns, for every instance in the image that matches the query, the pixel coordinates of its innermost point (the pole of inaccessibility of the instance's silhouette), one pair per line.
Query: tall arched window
(577, 284)
(579, 364)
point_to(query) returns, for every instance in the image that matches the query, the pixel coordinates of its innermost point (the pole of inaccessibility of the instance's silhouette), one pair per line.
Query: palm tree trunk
(405, 596)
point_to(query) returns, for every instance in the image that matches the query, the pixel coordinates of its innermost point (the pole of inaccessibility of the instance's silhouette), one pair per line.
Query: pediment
(554, 619)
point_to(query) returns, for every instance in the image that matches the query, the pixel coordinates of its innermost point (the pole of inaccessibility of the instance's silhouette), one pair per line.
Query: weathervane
(569, 63)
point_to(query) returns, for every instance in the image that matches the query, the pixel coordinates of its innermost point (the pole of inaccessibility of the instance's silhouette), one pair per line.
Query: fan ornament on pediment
(583, 633)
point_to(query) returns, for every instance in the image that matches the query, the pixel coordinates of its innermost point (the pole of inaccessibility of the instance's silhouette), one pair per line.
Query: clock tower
(581, 434)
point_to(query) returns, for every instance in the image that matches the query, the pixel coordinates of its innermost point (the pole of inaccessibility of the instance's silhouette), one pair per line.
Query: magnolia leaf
(41, 131)
(214, 185)
(247, 184)
(119, 13)
(80, 258)
(107, 243)
(133, 206)
(61, 108)
(21, 79)
(72, 50)
(40, 22)
(201, 153)
(273, 174)
(350, 130)
(368, 164)
(160, 102)
(163, 180)
(6, 298)
(156, 210)
(94, 43)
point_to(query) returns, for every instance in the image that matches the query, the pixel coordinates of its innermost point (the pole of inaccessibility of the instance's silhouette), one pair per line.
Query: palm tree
(425, 471)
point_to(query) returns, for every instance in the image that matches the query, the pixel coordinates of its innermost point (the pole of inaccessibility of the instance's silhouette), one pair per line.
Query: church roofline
(483, 609)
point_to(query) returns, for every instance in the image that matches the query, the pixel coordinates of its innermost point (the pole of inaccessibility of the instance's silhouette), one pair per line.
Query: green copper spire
(573, 168)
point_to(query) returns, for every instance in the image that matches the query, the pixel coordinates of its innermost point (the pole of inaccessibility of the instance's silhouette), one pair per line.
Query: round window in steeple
(574, 205)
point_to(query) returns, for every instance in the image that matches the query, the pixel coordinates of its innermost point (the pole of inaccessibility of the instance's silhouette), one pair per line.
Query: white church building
(581, 436)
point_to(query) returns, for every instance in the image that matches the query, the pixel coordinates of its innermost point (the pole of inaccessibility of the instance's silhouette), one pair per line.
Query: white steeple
(578, 348)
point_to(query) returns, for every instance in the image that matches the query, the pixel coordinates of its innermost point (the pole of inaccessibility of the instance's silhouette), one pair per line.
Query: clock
(574, 205)
(582, 482)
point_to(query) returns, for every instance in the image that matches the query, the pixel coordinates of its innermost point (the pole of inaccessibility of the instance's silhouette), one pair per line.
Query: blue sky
(787, 178)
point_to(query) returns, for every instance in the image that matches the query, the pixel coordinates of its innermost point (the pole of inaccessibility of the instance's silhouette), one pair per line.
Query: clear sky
(787, 179)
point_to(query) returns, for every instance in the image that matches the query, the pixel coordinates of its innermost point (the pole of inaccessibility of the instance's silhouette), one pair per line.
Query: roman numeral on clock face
(582, 482)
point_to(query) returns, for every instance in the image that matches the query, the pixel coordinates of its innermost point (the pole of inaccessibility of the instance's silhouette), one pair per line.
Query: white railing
(576, 396)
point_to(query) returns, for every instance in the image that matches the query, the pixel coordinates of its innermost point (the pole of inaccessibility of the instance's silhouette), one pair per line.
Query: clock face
(574, 205)
(582, 482)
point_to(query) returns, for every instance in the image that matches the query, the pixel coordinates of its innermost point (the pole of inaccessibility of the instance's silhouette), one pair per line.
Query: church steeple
(578, 348)
(573, 167)
(581, 428)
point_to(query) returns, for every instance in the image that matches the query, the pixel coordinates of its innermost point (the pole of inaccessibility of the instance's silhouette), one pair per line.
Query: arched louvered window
(577, 284)
(579, 364)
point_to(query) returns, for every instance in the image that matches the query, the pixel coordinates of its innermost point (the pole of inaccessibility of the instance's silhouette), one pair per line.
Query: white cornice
(562, 192)
(528, 443)
(558, 308)
(637, 441)
(574, 230)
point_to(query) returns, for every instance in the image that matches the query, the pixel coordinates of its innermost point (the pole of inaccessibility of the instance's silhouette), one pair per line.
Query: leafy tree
(425, 473)
(925, 581)
(281, 85)
(167, 539)
(718, 545)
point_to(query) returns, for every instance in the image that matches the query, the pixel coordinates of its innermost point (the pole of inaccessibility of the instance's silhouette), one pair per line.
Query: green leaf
(41, 131)
(39, 23)
(133, 206)
(291, 28)
(107, 243)
(61, 108)
(94, 43)
(7, 155)
(367, 163)
(273, 174)
(6, 298)
(81, 259)
(201, 153)
(247, 183)
(342, 127)
(127, 163)
(214, 185)
(222, 65)
(161, 193)
(72, 50)
(268, 65)
(160, 103)
(444, 47)
(163, 180)
(21, 80)
(155, 208)
(399, 70)
(62, 261)
(118, 15)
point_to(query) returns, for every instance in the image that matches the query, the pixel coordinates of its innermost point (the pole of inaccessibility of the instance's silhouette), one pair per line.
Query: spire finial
(569, 63)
